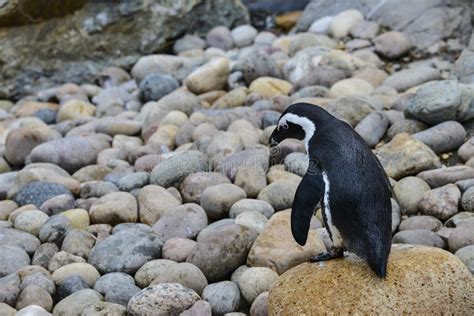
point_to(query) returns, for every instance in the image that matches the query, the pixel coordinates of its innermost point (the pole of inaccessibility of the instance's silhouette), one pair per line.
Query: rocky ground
(152, 190)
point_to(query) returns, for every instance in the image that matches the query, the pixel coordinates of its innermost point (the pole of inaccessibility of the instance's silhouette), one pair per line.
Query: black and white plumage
(346, 177)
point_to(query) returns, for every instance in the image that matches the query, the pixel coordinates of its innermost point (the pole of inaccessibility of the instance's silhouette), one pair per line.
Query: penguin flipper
(309, 193)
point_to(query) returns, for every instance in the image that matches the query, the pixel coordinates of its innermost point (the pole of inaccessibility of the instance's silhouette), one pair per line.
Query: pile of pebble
(154, 191)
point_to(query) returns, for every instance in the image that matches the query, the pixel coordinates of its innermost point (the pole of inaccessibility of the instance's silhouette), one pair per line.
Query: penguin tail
(379, 268)
(378, 264)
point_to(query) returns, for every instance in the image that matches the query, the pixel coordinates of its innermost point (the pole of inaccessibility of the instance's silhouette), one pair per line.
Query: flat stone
(442, 176)
(444, 137)
(306, 289)
(125, 251)
(166, 298)
(404, 156)
(276, 249)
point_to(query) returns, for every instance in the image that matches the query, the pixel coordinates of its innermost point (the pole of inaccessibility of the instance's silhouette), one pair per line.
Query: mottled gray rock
(419, 237)
(174, 169)
(224, 297)
(71, 285)
(466, 254)
(257, 65)
(439, 101)
(58, 204)
(255, 157)
(55, 229)
(162, 299)
(9, 288)
(442, 176)
(61, 259)
(444, 137)
(116, 287)
(43, 254)
(105, 308)
(97, 189)
(125, 251)
(78, 242)
(75, 303)
(133, 181)
(222, 250)
(39, 192)
(155, 86)
(184, 221)
(467, 200)
(12, 258)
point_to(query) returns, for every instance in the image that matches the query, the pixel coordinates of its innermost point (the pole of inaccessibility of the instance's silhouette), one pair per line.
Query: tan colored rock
(43, 173)
(29, 108)
(74, 109)
(114, 208)
(232, 99)
(208, 77)
(404, 156)
(421, 281)
(350, 87)
(276, 249)
(270, 87)
(78, 217)
(153, 202)
(82, 269)
(278, 172)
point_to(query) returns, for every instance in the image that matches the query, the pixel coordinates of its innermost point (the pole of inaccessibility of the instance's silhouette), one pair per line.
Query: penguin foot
(331, 254)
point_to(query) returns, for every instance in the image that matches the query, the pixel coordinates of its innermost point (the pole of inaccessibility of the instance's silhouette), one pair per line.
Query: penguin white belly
(335, 234)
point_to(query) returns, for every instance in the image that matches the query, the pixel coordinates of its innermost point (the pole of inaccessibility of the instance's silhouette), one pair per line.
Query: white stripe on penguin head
(306, 124)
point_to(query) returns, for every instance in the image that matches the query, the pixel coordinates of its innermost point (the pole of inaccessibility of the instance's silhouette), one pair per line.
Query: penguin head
(299, 121)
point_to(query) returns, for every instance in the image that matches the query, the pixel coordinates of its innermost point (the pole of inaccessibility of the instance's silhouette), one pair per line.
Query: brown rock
(440, 285)
(441, 202)
(404, 156)
(276, 249)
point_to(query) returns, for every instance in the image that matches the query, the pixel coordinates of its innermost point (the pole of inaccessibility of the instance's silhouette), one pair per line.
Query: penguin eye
(284, 125)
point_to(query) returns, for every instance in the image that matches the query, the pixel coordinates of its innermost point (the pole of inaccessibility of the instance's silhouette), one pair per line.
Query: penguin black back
(347, 178)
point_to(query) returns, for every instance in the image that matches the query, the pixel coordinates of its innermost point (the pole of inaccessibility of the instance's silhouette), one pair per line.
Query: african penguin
(346, 177)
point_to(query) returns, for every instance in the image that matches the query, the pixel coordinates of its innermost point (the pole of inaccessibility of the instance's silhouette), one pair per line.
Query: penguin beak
(273, 142)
